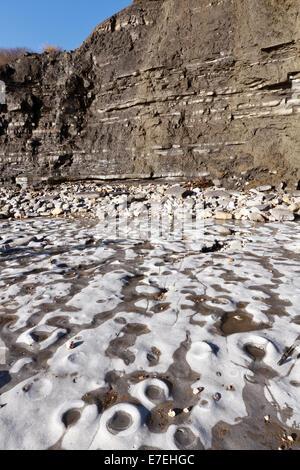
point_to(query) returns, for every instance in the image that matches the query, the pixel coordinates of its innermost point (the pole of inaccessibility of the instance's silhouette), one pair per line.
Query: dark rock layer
(163, 88)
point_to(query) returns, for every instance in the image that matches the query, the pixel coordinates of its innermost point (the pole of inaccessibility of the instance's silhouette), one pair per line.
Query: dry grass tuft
(10, 55)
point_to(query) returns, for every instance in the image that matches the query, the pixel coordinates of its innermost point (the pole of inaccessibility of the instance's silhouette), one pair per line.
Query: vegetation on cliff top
(10, 55)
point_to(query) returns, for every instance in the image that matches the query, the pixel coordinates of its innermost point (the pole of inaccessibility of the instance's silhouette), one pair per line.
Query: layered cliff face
(164, 88)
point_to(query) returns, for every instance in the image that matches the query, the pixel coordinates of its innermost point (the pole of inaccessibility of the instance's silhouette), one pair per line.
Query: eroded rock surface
(163, 88)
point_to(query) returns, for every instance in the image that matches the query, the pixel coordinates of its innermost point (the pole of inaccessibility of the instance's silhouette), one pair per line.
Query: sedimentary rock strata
(163, 88)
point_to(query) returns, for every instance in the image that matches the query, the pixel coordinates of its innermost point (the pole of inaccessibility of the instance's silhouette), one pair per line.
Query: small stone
(197, 390)
(238, 317)
(256, 217)
(57, 211)
(282, 214)
(187, 410)
(264, 188)
(239, 214)
(230, 388)
(262, 207)
(267, 418)
(223, 216)
(295, 207)
(204, 214)
(171, 413)
(217, 396)
(176, 191)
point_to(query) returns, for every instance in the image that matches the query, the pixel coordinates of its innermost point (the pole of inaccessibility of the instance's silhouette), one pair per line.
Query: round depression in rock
(155, 394)
(184, 438)
(120, 421)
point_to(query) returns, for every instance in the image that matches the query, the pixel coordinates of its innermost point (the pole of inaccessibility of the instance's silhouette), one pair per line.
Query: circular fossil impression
(256, 353)
(119, 422)
(71, 417)
(184, 438)
(155, 394)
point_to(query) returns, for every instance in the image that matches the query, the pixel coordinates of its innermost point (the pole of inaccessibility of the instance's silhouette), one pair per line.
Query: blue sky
(65, 23)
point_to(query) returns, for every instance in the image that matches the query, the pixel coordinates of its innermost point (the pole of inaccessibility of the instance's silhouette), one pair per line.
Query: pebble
(198, 390)
(217, 396)
(57, 211)
(187, 410)
(205, 214)
(264, 188)
(295, 207)
(176, 191)
(256, 217)
(280, 215)
(223, 215)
